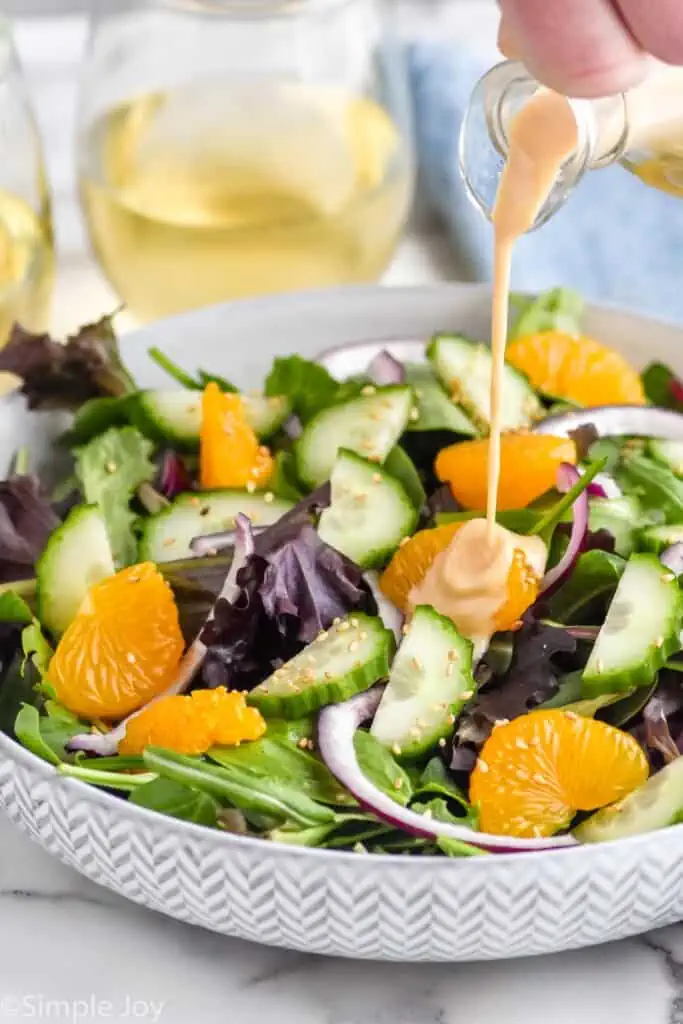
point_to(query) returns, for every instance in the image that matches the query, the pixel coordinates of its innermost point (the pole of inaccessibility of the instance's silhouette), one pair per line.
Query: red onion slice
(672, 558)
(385, 369)
(567, 477)
(604, 486)
(337, 725)
(617, 421)
(107, 744)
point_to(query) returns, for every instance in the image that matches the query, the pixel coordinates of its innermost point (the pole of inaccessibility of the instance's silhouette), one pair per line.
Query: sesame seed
(309, 675)
(468, 695)
(303, 744)
(367, 445)
(667, 578)
(336, 621)
(344, 627)
(398, 783)
(368, 390)
(450, 669)
(251, 487)
(169, 542)
(363, 635)
(354, 622)
(360, 497)
(501, 721)
(404, 541)
(442, 743)
(451, 719)
(482, 766)
(659, 642)
(453, 655)
(377, 478)
(416, 664)
(111, 467)
(414, 415)
(353, 646)
(405, 629)
(396, 749)
(195, 502)
(269, 497)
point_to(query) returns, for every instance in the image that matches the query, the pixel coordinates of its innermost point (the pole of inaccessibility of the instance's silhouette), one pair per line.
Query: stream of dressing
(542, 136)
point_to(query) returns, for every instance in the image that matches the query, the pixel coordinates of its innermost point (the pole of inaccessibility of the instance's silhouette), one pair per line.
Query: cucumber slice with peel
(370, 426)
(430, 681)
(166, 537)
(640, 632)
(436, 409)
(77, 556)
(464, 367)
(670, 453)
(347, 659)
(656, 804)
(174, 417)
(658, 538)
(370, 512)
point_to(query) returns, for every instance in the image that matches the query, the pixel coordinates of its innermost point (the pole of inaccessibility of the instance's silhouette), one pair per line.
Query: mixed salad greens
(210, 615)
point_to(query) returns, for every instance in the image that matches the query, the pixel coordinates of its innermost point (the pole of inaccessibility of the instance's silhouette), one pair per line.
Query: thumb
(579, 48)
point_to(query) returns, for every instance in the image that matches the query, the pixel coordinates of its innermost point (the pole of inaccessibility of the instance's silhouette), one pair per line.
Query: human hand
(591, 48)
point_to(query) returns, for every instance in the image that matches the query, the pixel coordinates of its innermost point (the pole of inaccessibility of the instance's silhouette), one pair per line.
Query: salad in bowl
(254, 611)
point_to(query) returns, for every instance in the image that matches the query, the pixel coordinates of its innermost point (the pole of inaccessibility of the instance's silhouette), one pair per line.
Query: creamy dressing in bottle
(468, 581)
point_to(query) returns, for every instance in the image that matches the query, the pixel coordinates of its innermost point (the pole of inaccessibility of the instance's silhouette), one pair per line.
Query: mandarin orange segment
(579, 369)
(412, 561)
(529, 464)
(122, 649)
(536, 772)
(230, 453)
(522, 590)
(194, 724)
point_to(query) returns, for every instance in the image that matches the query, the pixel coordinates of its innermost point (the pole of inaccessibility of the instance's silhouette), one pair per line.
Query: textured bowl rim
(15, 752)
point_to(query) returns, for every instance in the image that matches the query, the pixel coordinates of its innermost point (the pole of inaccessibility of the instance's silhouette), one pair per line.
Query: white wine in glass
(234, 182)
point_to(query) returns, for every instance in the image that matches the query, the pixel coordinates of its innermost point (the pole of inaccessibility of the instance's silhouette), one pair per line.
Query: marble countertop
(72, 952)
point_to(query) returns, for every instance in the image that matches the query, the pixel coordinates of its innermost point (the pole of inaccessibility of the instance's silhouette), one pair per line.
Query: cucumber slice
(166, 537)
(370, 426)
(464, 367)
(670, 453)
(175, 417)
(370, 512)
(430, 681)
(77, 555)
(349, 658)
(619, 516)
(641, 630)
(437, 411)
(658, 538)
(654, 805)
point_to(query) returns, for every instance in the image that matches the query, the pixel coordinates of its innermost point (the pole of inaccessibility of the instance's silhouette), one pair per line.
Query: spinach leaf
(47, 734)
(177, 801)
(28, 730)
(111, 468)
(656, 486)
(436, 783)
(37, 651)
(119, 781)
(456, 848)
(214, 378)
(399, 465)
(378, 765)
(307, 385)
(241, 788)
(595, 577)
(94, 417)
(276, 757)
(663, 387)
(284, 481)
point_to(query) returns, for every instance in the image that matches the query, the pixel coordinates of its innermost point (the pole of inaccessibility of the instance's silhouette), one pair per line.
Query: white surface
(71, 952)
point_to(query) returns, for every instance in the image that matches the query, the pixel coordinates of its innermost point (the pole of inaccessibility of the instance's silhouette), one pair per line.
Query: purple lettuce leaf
(26, 521)
(530, 680)
(64, 376)
(292, 588)
(662, 720)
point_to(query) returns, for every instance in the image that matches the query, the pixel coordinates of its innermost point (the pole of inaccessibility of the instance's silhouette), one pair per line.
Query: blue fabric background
(615, 240)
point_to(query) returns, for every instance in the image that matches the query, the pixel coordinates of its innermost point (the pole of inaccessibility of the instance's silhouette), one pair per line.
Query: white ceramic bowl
(376, 907)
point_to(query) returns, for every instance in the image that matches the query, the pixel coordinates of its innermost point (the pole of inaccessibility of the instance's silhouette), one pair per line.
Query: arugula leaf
(378, 765)
(177, 801)
(656, 486)
(119, 781)
(595, 576)
(37, 650)
(276, 757)
(557, 512)
(14, 610)
(111, 468)
(455, 848)
(559, 309)
(307, 385)
(174, 371)
(240, 788)
(214, 378)
(284, 480)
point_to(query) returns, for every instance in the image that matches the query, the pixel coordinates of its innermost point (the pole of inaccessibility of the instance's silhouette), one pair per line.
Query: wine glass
(27, 263)
(235, 147)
